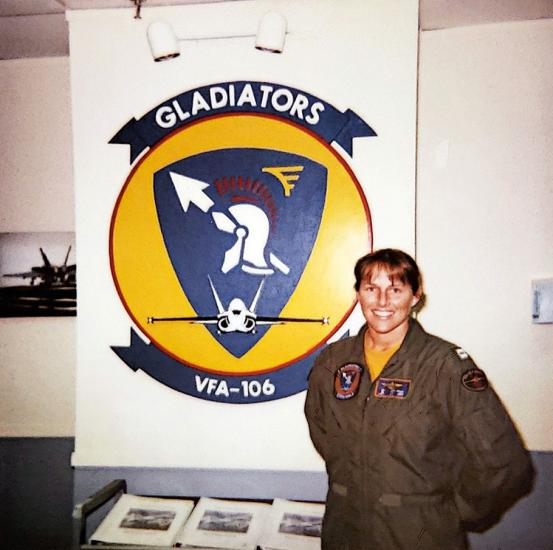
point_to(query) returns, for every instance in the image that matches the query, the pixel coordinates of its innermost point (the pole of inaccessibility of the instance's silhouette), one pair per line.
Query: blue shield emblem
(239, 225)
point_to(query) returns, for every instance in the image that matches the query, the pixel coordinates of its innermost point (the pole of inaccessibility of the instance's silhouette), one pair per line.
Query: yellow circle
(147, 283)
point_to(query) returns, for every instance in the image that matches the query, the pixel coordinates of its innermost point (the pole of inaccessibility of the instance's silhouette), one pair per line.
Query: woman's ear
(418, 300)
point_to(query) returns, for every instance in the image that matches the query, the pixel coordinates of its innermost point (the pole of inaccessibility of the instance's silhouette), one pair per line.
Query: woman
(417, 445)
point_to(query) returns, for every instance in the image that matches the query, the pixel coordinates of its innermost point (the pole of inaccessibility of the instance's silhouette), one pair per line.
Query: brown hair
(395, 262)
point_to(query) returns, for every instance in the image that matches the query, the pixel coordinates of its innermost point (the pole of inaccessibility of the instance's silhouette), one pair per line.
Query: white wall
(36, 153)
(485, 204)
(37, 369)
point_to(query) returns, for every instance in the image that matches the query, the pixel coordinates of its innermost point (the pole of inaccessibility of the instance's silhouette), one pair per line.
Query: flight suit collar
(413, 343)
(399, 366)
(414, 340)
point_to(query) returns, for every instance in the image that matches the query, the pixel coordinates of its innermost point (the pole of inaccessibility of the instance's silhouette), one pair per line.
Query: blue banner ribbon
(254, 388)
(284, 102)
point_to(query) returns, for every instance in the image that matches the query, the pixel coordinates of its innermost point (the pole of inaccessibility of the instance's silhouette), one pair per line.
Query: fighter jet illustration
(238, 317)
(48, 274)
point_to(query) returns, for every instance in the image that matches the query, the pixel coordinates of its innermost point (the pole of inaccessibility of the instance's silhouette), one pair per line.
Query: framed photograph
(38, 275)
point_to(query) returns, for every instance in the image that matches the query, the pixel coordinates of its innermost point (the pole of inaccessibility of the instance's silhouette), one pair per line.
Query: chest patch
(392, 387)
(347, 380)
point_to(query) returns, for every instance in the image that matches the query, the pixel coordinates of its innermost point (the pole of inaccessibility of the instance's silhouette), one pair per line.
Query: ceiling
(44, 7)
(37, 28)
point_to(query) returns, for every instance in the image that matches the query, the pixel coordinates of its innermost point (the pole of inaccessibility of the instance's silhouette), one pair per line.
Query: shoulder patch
(474, 380)
(462, 354)
(347, 380)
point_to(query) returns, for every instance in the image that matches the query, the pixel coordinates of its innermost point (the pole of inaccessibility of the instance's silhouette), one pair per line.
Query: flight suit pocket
(421, 427)
(339, 489)
(341, 521)
(422, 522)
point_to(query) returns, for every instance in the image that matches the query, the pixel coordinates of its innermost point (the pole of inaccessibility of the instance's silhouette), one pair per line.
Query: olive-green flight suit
(416, 457)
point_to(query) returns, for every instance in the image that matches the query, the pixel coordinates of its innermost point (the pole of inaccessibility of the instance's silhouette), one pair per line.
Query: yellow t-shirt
(376, 360)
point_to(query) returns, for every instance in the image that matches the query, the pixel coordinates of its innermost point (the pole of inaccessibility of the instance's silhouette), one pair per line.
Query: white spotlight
(271, 33)
(163, 42)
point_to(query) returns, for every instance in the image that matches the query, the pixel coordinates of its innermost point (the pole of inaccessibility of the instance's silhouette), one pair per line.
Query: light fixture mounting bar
(219, 37)
(138, 6)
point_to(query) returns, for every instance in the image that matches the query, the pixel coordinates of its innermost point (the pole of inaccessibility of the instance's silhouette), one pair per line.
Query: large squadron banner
(232, 239)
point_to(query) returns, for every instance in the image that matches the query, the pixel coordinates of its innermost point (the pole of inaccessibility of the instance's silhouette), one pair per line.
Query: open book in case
(143, 522)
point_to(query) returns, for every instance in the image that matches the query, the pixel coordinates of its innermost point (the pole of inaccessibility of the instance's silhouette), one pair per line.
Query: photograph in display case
(143, 521)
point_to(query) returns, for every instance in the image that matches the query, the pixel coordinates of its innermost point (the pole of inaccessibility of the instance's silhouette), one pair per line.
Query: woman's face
(386, 303)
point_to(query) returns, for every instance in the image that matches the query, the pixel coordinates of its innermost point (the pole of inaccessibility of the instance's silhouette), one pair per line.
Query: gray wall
(36, 493)
(38, 488)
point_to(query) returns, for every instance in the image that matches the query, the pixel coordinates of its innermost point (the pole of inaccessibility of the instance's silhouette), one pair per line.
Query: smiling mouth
(383, 314)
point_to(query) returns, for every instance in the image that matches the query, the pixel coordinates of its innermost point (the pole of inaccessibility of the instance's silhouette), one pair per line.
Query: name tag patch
(347, 380)
(392, 387)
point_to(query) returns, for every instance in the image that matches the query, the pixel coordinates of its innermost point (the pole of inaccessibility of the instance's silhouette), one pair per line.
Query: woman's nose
(382, 298)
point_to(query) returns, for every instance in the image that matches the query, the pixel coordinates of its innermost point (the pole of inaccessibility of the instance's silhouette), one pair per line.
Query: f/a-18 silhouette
(48, 274)
(238, 317)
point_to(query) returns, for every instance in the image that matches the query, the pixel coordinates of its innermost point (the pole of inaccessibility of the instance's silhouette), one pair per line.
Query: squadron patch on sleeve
(474, 380)
(347, 380)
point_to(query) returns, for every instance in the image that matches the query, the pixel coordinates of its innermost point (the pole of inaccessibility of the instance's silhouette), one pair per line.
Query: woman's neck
(382, 342)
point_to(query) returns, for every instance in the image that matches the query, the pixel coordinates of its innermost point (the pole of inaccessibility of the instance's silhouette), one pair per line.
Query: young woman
(417, 445)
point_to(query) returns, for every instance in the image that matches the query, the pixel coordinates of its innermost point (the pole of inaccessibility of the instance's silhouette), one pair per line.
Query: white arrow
(191, 190)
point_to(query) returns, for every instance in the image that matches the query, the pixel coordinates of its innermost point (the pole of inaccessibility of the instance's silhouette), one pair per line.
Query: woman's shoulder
(445, 352)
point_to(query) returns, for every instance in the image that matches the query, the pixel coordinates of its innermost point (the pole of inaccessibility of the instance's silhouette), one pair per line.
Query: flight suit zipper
(365, 489)
(367, 426)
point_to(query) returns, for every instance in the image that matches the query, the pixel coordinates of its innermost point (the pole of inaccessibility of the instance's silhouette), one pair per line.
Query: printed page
(143, 520)
(292, 525)
(229, 524)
